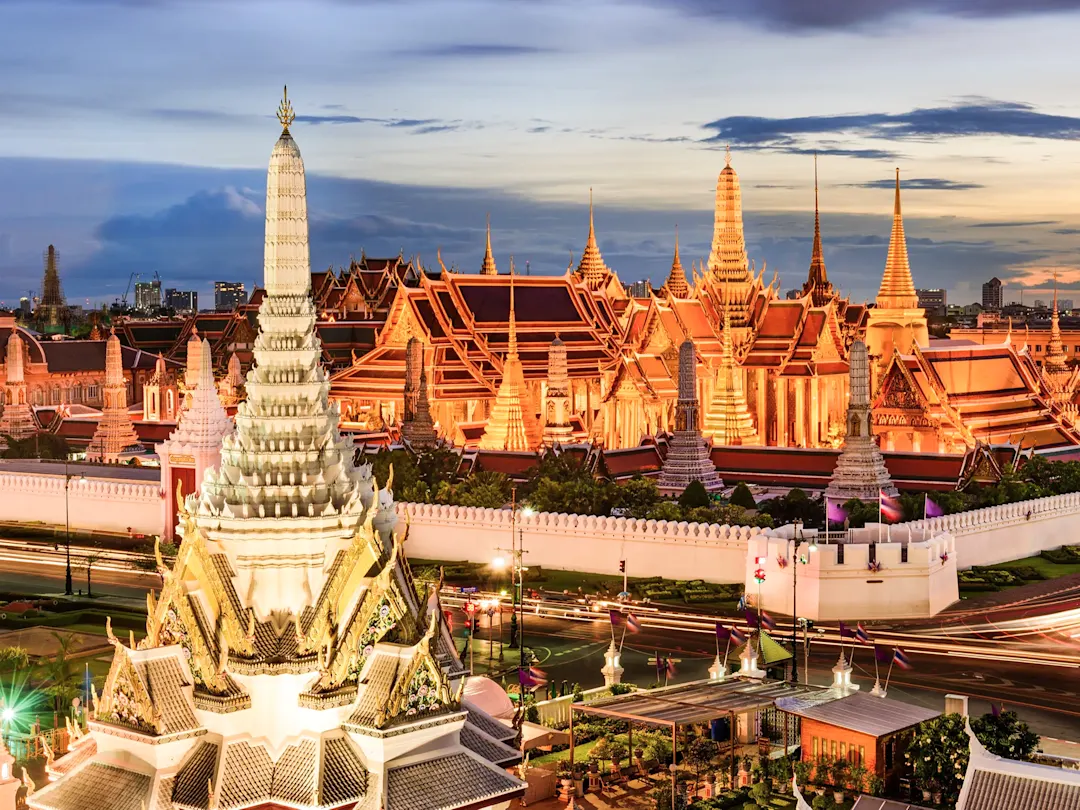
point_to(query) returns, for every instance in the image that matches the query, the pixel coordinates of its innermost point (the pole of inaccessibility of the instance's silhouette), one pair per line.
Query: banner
(931, 509)
(890, 508)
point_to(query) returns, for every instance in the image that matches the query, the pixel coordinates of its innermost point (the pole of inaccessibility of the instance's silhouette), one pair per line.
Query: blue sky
(136, 134)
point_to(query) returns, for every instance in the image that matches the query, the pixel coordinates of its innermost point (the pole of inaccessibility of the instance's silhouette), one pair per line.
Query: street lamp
(796, 561)
(517, 574)
(68, 591)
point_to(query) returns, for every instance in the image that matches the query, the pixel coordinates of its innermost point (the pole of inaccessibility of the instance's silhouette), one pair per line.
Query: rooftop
(861, 712)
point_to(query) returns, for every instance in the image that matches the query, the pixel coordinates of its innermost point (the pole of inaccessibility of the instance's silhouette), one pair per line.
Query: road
(1025, 654)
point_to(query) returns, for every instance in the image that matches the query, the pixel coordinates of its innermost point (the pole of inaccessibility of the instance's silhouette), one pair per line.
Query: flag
(900, 659)
(632, 624)
(995, 709)
(525, 679)
(751, 618)
(722, 633)
(669, 667)
(616, 618)
(861, 635)
(767, 621)
(835, 511)
(883, 655)
(930, 508)
(661, 667)
(891, 510)
(846, 632)
(538, 676)
(737, 635)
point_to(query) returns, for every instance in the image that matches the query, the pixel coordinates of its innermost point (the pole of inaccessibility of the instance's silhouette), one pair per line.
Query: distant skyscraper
(638, 289)
(182, 301)
(1065, 305)
(228, 295)
(933, 301)
(148, 295)
(991, 294)
(24, 306)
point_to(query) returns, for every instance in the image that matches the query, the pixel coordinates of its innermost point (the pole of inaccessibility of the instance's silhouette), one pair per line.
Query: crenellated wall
(94, 504)
(581, 542)
(1007, 532)
(922, 585)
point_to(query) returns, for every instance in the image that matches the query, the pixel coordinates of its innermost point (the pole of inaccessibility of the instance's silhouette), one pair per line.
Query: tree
(666, 510)
(481, 489)
(742, 496)
(938, 755)
(1005, 735)
(90, 559)
(14, 657)
(638, 496)
(41, 445)
(700, 754)
(60, 673)
(694, 495)
(147, 560)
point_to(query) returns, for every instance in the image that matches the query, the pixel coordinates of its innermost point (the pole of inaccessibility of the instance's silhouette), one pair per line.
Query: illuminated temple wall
(581, 543)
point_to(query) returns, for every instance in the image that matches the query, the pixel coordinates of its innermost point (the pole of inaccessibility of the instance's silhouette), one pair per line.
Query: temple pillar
(781, 412)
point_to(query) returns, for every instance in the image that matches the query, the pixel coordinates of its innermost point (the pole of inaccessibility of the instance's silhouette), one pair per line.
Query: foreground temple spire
(1056, 360)
(512, 424)
(417, 426)
(728, 419)
(727, 259)
(687, 456)
(817, 284)
(488, 267)
(289, 659)
(114, 433)
(676, 284)
(860, 471)
(16, 419)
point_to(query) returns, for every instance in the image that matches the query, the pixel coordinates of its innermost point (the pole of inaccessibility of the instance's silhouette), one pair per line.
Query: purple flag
(846, 632)
(883, 655)
(834, 511)
(930, 508)
(616, 618)
(751, 619)
(722, 633)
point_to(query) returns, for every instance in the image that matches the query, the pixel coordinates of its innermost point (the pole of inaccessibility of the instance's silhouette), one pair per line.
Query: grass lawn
(1043, 566)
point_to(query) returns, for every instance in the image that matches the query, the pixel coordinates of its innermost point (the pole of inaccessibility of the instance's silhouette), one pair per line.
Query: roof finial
(727, 154)
(676, 241)
(590, 212)
(896, 205)
(285, 114)
(487, 266)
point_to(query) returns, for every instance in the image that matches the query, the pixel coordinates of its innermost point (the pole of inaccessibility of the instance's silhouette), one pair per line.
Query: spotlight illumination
(498, 562)
(8, 714)
(528, 511)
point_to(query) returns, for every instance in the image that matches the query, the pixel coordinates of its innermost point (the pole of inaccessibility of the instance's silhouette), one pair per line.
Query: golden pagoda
(512, 424)
(728, 419)
(488, 268)
(676, 284)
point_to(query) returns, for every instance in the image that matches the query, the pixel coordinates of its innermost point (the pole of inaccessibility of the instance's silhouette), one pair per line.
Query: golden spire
(897, 290)
(817, 282)
(488, 268)
(1056, 359)
(511, 350)
(592, 266)
(676, 284)
(727, 154)
(285, 114)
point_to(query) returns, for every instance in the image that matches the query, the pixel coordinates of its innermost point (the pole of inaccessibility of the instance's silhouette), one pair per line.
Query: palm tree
(91, 559)
(61, 673)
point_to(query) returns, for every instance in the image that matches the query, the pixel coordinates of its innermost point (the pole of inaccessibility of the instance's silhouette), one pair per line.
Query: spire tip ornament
(285, 114)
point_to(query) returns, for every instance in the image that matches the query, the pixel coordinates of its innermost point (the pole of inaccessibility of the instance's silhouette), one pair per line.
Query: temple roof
(448, 782)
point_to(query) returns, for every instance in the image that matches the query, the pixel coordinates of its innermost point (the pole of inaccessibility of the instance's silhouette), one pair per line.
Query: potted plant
(804, 770)
(839, 771)
(579, 781)
(875, 785)
(821, 772)
(618, 754)
(858, 777)
(600, 753)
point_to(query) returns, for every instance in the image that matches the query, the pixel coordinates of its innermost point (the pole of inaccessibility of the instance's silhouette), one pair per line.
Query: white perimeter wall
(579, 542)
(1009, 532)
(827, 590)
(96, 504)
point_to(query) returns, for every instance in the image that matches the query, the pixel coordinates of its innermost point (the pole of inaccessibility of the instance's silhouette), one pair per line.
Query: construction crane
(124, 297)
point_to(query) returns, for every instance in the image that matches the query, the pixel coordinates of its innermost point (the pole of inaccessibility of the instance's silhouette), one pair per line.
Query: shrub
(741, 496)
(621, 688)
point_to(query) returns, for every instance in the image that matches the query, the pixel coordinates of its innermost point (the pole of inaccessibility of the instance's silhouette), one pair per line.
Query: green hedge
(126, 621)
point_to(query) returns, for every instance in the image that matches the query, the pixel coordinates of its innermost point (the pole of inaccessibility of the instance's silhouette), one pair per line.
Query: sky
(136, 135)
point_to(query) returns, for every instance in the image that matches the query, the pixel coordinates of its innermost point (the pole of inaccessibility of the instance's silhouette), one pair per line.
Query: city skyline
(146, 159)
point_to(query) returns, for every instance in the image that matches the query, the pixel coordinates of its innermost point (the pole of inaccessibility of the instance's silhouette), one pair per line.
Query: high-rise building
(24, 306)
(992, 294)
(639, 289)
(793, 294)
(182, 301)
(228, 295)
(1065, 305)
(148, 295)
(933, 301)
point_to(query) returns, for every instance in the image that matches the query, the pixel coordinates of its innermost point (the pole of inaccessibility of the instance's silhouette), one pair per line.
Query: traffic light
(622, 566)
(759, 575)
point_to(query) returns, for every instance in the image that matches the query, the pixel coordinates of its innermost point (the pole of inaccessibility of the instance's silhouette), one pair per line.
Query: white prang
(285, 498)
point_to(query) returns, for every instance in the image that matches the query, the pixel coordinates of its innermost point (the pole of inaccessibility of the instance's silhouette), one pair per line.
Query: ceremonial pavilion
(289, 660)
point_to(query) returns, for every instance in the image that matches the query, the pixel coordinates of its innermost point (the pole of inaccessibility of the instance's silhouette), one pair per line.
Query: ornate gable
(126, 700)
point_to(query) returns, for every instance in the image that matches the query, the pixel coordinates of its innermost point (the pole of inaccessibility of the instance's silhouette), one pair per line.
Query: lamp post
(517, 575)
(796, 561)
(68, 591)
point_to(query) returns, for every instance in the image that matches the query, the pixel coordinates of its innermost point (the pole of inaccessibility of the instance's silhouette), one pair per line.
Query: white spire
(286, 260)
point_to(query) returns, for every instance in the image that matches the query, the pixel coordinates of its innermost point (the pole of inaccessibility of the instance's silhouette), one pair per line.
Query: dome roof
(488, 696)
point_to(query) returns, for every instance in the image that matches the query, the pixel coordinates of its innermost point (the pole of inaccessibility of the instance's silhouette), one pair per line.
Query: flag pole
(727, 649)
(622, 639)
(889, 675)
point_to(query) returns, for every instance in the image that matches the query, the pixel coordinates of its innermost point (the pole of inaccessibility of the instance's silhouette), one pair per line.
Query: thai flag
(930, 508)
(861, 635)
(632, 623)
(525, 679)
(538, 676)
(891, 510)
(767, 621)
(737, 635)
(669, 667)
(722, 633)
(900, 659)
(835, 511)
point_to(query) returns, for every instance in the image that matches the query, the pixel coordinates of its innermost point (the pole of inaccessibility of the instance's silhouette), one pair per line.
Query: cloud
(825, 15)
(965, 118)
(482, 51)
(1016, 223)
(1066, 231)
(919, 184)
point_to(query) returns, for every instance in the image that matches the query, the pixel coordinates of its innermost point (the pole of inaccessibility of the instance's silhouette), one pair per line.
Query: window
(889, 755)
(833, 747)
(816, 746)
(843, 750)
(1038, 348)
(862, 756)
